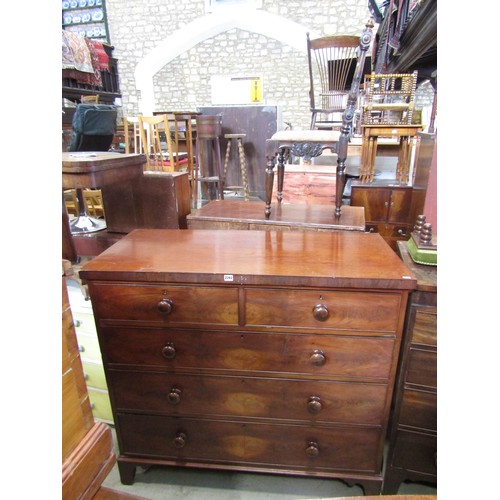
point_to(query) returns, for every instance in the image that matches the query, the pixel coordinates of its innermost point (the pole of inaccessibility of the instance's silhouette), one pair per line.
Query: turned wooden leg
(281, 173)
(339, 186)
(269, 185)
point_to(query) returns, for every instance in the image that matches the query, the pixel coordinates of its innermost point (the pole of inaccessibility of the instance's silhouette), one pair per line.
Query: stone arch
(253, 20)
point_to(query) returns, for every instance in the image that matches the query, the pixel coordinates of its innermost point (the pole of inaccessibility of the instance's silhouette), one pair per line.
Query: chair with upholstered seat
(308, 144)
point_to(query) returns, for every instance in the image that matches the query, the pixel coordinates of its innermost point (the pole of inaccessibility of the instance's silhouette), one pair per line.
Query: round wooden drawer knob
(314, 404)
(180, 440)
(317, 358)
(169, 351)
(320, 312)
(165, 306)
(312, 449)
(174, 396)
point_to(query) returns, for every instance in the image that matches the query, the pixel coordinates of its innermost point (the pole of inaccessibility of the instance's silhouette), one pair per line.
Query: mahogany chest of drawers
(413, 437)
(255, 351)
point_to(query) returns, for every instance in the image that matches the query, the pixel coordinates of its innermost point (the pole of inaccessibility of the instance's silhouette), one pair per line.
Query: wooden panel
(347, 356)
(425, 327)
(176, 394)
(259, 123)
(276, 446)
(155, 200)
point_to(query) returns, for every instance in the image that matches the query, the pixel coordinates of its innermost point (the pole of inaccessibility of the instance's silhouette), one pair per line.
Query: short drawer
(422, 367)
(100, 404)
(312, 355)
(88, 345)
(418, 409)
(84, 323)
(94, 374)
(323, 310)
(425, 327)
(232, 442)
(319, 401)
(415, 452)
(169, 305)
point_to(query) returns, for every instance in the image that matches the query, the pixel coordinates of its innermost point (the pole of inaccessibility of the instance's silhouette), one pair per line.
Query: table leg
(403, 161)
(339, 186)
(269, 185)
(281, 173)
(373, 156)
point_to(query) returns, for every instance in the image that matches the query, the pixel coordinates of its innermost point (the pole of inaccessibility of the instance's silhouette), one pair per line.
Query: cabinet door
(399, 205)
(375, 201)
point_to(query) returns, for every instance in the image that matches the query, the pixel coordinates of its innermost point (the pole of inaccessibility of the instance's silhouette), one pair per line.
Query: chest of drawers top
(341, 259)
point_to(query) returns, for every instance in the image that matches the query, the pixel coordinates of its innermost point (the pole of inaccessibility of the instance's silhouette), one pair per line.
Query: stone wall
(136, 28)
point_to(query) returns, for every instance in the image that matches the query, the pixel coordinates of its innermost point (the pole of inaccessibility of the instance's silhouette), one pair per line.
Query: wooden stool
(243, 166)
(208, 131)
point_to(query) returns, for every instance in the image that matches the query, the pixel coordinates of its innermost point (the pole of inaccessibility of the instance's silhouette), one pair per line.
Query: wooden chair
(160, 155)
(332, 61)
(133, 143)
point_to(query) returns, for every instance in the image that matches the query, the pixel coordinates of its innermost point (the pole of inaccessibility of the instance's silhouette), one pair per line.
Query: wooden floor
(239, 214)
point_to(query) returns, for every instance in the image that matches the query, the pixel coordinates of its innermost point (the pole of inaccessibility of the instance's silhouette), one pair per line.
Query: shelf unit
(87, 18)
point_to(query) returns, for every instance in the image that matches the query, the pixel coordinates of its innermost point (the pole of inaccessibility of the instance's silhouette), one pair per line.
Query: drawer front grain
(422, 368)
(419, 409)
(169, 305)
(228, 442)
(312, 355)
(323, 310)
(175, 394)
(416, 451)
(425, 327)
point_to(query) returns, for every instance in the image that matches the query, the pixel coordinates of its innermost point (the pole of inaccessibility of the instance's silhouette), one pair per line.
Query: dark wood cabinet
(245, 350)
(387, 209)
(413, 437)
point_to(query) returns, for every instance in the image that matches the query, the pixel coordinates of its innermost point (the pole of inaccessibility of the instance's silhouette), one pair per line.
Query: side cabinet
(387, 209)
(413, 436)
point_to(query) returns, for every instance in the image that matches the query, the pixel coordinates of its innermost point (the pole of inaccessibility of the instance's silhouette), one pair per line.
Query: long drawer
(231, 442)
(311, 355)
(418, 409)
(176, 394)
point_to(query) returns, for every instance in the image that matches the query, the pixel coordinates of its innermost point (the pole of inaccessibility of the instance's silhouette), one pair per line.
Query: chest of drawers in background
(413, 438)
(254, 351)
(90, 354)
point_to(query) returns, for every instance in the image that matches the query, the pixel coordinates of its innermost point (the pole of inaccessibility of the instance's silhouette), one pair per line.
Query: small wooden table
(94, 170)
(405, 134)
(305, 144)
(239, 214)
(97, 169)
